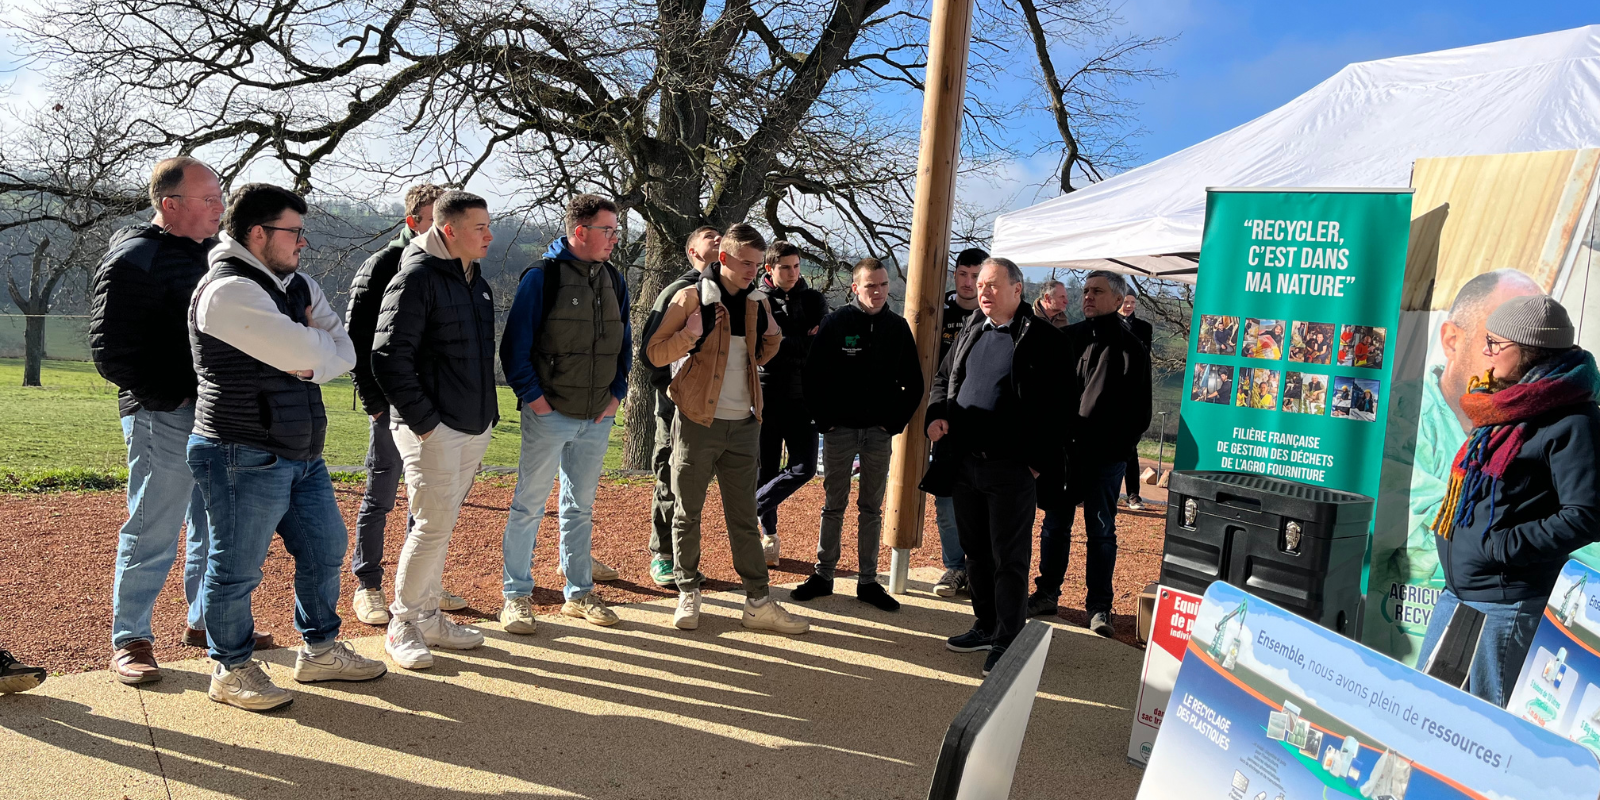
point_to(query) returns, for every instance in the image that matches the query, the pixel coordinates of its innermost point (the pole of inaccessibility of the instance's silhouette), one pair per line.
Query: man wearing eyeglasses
(139, 341)
(566, 353)
(264, 340)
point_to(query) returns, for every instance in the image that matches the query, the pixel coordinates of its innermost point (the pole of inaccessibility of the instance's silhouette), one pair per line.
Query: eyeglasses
(611, 234)
(1494, 347)
(299, 233)
(214, 200)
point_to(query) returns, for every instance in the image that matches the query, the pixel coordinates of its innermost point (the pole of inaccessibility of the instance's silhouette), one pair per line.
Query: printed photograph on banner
(1213, 383)
(1258, 388)
(1361, 346)
(1305, 393)
(1219, 336)
(1311, 342)
(1263, 338)
(1557, 688)
(1356, 398)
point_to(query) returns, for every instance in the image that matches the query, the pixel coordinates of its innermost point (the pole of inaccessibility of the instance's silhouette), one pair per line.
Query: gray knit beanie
(1535, 320)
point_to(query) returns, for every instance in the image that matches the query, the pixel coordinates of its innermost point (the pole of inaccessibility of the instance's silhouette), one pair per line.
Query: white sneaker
(248, 687)
(450, 601)
(769, 548)
(590, 607)
(340, 663)
(371, 607)
(404, 644)
(441, 631)
(770, 615)
(517, 615)
(598, 570)
(687, 617)
(1135, 505)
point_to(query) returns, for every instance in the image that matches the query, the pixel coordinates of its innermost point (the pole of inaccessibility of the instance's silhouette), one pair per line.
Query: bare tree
(1093, 116)
(67, 171)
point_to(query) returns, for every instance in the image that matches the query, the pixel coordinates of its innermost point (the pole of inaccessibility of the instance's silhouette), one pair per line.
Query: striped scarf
(1500, 429)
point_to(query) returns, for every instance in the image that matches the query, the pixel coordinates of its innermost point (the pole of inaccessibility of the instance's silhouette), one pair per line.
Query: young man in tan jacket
(716, 430)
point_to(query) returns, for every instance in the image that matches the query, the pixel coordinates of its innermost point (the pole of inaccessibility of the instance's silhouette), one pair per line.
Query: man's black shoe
(16, 676)
(970, 642)
(873, 594)
(815, 586)
(992, 659)
(1041, 604)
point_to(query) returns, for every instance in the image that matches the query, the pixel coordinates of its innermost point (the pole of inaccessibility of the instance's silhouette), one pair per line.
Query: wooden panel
(1479, 213)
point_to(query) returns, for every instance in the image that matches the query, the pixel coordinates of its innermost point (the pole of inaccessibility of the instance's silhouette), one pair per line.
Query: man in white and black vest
(264, 339)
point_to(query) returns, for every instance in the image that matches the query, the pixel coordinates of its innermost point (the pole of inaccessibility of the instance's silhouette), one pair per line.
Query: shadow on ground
(854, 709)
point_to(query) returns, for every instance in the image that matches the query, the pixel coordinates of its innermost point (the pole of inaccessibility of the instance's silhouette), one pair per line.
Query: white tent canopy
(1361, 128)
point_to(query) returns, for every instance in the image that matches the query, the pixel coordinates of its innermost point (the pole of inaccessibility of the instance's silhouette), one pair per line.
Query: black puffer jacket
(138, 316)
(434, 351)
(361, 318)
(797, 311)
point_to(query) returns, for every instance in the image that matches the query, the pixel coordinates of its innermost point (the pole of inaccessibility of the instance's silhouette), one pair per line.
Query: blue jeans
(577, 449)
(384, 468)
(1502, 647)
(161, 495)
(1095, 487)
(250, 494)
(944, 517)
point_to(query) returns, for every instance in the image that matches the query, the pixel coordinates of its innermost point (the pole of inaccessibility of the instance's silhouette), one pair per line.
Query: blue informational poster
(1269, 706)
(1559, 688)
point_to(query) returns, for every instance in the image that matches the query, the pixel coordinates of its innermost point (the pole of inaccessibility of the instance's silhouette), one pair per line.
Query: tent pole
(946, 84)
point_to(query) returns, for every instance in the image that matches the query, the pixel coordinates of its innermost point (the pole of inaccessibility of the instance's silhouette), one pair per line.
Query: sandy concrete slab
(856, 708)
(78, 736)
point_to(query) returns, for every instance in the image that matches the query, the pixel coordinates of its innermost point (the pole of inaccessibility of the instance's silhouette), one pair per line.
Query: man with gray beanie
(1524, 489)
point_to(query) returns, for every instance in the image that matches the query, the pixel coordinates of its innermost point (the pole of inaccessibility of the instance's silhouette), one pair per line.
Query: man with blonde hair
(383, 460)
(716, 334)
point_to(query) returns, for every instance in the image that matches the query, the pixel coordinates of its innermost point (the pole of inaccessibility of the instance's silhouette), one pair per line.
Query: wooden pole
(946, 84)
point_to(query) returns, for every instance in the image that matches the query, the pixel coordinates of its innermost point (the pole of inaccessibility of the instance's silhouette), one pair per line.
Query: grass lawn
(71, 423)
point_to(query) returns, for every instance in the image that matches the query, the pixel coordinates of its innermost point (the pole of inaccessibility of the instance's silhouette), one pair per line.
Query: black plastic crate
(1296, 545)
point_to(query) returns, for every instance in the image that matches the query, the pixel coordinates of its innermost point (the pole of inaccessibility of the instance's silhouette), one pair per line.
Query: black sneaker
(16, 676)
(873, 594)
(1041, 604)
(970, 642)
(1100, 622)
(815, 586)
(992, 659)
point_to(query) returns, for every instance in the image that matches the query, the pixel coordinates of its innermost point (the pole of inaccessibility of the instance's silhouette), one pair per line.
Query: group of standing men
(219, 346)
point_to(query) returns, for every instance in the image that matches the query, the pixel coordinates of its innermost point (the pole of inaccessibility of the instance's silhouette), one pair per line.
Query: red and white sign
(1169, 639)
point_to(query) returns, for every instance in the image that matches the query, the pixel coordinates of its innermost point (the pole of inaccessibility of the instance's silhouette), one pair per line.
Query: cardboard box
(1146, 611)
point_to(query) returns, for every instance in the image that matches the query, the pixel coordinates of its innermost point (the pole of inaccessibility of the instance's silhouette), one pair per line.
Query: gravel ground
(57, 551)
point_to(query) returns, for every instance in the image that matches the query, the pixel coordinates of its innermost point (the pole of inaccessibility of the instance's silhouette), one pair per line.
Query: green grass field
(71, 423)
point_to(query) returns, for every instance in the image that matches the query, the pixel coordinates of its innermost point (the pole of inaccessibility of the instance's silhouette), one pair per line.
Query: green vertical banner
(1296, 305)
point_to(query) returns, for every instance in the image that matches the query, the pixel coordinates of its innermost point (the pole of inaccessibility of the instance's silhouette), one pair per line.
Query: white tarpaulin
(1361, 128)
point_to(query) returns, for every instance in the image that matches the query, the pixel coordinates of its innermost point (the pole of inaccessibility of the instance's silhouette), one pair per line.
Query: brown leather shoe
(135, 663)
(193, 637)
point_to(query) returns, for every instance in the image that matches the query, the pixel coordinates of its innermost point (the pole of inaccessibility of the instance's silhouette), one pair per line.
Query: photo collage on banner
(1288, 353)
(1486, 229)
(1268, 705)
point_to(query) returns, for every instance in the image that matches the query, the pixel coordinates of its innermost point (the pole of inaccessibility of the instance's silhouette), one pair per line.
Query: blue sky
(1237, 59)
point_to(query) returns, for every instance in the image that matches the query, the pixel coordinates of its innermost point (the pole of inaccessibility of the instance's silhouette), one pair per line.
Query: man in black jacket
(701, 250)
(434, 359)
(863, 381)
(1524, 490)
(264, 339)
(140, 343)
(383, 460)
(799, 309)
(1000, 378)
(959, 303)
(1142, 331)
(1109, 402)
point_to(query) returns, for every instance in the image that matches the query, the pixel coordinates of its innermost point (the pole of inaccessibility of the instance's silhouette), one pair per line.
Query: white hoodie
(238, 311)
